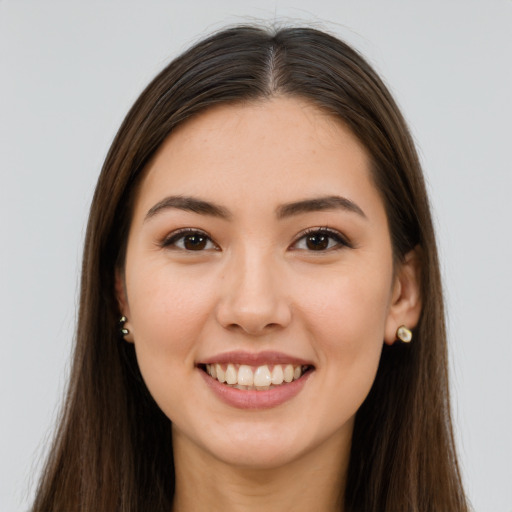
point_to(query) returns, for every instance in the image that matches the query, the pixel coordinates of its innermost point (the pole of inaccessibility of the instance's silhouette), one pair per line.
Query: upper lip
(255, 359)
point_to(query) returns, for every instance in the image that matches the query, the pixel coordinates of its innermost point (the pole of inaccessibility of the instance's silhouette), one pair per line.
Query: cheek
(349, 306)
(168, 308)
(168, 313)
(346, 317)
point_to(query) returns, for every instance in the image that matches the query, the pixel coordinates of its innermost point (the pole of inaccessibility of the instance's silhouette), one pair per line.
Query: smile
(259, 378)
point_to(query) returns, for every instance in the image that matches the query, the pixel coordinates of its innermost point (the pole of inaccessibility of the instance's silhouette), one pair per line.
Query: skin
(258, 286)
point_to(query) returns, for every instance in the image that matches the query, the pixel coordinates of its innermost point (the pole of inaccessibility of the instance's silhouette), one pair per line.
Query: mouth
(256, 378)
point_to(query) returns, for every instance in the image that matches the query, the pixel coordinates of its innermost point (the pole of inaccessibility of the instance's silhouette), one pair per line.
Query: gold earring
(123, 330)
(404, 334)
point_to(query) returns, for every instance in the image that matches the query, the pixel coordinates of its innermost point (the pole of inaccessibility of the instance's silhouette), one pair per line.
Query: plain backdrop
(70, 70)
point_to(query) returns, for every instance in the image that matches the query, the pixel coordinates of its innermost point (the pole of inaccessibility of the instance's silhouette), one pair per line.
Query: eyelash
(340, 240)
(170, 242)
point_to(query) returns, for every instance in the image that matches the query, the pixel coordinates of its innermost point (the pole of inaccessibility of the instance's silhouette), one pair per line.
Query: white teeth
(288, 373)
(277, 375)
(221, 375)
(262, 376)
(231, 374)
(245, 376)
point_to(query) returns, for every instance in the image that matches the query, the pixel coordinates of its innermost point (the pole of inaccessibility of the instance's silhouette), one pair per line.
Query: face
(259, 252)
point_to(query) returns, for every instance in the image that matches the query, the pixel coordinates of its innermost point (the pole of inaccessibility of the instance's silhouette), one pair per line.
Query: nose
(253, 296)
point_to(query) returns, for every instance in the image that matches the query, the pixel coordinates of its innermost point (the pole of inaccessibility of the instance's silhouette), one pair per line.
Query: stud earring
(124, 332)
(404, 334)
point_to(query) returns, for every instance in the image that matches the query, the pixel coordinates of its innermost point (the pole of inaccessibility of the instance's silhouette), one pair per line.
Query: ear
(122, 301)
(405, 306)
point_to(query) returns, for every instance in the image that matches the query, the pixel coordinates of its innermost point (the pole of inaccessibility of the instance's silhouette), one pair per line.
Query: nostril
(252, 328)
(253, 313)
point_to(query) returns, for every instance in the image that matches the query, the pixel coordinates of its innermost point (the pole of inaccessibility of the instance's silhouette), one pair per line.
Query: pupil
(317, 242)
(195, 242)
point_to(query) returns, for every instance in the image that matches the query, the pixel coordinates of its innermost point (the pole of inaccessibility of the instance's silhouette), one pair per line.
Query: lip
(254, 399)
(255, 359)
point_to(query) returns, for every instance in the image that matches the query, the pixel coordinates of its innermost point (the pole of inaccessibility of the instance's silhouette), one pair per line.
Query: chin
(267, 445)
(260, 453)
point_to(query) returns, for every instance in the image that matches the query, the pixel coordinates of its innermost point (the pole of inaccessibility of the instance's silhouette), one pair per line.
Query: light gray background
(70, 70)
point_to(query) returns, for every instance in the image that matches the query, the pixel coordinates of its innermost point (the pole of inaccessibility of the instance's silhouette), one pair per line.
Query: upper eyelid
(184, 231)
(324, 229)
(318, 229)
(179, 233)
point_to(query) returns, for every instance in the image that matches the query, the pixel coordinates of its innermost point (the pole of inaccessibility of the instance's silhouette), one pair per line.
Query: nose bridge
(253, 298)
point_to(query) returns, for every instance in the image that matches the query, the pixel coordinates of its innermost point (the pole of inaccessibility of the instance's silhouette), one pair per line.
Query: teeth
(288, 373)
(277, 375)
(261, 378)
(245, 376)
(231, 374)
(221, 375)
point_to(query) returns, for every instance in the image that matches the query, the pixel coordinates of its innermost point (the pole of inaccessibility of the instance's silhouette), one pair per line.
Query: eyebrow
(192, 204)
(319, 204)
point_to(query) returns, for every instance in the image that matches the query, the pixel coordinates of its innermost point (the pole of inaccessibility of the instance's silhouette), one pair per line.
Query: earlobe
(405, 307)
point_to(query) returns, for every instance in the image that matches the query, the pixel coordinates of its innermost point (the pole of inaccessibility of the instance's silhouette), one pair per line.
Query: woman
(261, 317)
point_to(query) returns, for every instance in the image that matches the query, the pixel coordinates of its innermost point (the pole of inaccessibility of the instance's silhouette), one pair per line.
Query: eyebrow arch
(202, 207)
(319, 204)
(190, 204)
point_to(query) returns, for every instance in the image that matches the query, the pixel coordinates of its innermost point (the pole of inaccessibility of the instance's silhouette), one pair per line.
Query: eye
(189, 240)
(321, 239)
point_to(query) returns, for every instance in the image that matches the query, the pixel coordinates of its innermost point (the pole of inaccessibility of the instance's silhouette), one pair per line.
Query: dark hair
(113, 448)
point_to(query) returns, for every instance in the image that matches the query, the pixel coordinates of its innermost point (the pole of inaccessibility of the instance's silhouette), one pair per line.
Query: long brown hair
(113, 447)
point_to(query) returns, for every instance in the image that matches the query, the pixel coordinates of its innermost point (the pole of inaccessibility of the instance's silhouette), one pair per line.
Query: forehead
(254, 154)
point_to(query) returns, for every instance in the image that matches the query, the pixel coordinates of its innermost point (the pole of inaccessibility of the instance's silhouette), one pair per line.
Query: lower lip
(253, 399)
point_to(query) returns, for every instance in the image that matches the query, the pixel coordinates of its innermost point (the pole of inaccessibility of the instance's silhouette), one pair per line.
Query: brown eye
(321, 240)
(317, 242)
(194, 242)
(189, 240)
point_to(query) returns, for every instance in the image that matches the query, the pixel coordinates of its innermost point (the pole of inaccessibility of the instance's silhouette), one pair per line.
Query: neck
(315, 481)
